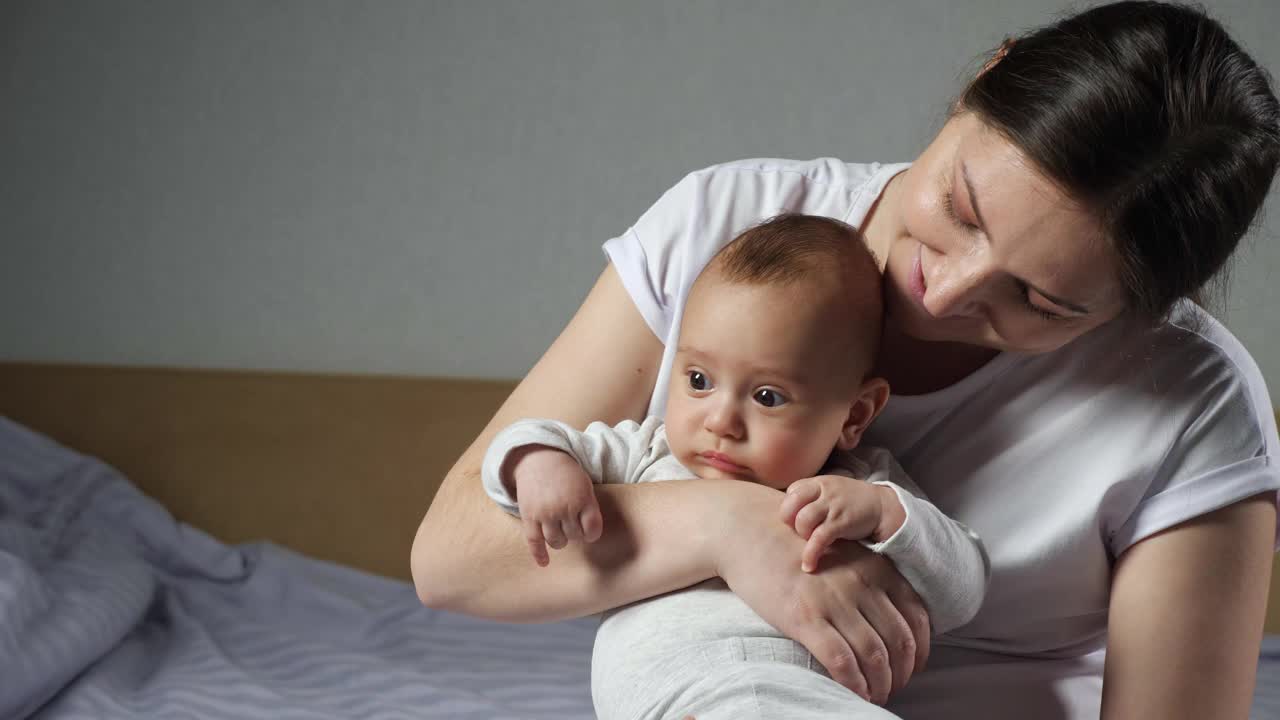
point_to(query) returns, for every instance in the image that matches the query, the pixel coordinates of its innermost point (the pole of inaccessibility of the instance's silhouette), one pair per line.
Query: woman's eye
(770, 398)
(698, 381)
(1024, 294)
(1044, 314)
(949, 206)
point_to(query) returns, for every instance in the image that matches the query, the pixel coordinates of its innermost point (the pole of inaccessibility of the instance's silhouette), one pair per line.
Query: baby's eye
(698, 381)
(769, 398)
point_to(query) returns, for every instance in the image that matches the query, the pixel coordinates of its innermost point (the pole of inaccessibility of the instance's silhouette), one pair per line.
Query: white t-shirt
(1058, 461)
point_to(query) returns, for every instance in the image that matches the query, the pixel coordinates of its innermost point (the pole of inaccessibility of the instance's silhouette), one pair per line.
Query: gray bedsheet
(109, 608)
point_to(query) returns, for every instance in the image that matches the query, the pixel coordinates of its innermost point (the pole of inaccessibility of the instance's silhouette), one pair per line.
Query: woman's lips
(916, 282)
(720, 461)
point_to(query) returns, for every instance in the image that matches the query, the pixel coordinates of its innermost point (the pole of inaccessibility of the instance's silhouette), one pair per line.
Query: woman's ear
(871, 398)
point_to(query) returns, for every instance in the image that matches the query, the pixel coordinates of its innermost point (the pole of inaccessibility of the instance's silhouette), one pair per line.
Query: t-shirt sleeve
(659, 257)
(1226, 452)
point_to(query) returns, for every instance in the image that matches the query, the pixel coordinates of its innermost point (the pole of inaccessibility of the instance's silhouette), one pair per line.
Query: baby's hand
(827, 508)
(557, 503)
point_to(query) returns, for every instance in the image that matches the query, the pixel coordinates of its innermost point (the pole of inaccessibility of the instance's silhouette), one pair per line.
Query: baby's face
(758, 392)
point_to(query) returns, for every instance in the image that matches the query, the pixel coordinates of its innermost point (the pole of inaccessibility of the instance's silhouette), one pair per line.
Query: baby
(769, 385)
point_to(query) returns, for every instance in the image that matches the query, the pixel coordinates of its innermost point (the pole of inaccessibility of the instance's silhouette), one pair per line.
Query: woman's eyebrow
(973, 203)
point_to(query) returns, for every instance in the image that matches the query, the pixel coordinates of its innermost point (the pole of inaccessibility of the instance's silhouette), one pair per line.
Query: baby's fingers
(799, 494)
(554, 534)
(592, 521)
(817, 545)
(810, 517)
(571, 526)
(537, 545)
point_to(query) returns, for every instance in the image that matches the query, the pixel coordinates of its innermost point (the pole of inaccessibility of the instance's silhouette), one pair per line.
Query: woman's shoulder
(1196, 346)
(1194, 332)
(711, 205)
(732, 196)
(822, 169)
(1212, 352)
(1189, 370)
(659, 256)
(1201, 405)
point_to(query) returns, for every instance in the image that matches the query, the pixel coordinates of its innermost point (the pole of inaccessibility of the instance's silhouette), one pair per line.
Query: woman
(1054, 390)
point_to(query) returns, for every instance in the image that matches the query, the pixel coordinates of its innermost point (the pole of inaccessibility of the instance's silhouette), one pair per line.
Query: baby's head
(779, 336)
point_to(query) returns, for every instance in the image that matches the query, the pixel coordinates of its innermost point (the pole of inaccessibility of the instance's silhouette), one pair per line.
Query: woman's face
(982, 250)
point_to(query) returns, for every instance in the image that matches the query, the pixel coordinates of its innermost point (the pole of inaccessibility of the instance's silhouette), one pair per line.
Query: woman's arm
(470, 557)
(858, 617)
(1186, 616)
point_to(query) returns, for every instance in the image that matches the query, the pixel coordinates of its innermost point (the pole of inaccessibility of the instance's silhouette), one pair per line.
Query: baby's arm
(556, 503)
(943, 560)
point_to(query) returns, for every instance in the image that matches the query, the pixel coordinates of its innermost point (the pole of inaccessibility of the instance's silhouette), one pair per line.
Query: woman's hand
(858, 616)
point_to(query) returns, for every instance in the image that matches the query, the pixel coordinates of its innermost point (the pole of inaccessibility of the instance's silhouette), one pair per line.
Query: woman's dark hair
(1155, 120)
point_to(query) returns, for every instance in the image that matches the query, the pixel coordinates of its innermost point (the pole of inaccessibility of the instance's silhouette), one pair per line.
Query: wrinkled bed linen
(109, 608)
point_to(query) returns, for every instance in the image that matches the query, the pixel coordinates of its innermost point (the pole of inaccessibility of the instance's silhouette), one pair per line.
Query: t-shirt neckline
(957, 391)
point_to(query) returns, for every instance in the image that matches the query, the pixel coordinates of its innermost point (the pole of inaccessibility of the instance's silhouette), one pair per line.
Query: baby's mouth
(720, 461)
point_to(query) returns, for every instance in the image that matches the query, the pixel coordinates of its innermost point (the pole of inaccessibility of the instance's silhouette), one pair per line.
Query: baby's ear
(870, 399)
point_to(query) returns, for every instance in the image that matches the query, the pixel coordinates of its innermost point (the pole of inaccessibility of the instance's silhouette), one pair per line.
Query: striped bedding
(111, 609)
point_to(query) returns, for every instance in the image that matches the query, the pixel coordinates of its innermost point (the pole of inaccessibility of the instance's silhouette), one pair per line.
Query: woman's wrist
(735, 511)
(665, 535)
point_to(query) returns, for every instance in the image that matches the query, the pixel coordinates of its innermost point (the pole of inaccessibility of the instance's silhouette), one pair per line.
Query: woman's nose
(957, 286)
(724, 420)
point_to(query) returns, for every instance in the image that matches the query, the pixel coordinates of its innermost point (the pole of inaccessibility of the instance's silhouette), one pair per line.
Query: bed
(209, 544)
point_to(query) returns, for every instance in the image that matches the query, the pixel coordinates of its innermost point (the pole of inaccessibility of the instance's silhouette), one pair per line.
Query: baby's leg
(740, 678)
(769, 690)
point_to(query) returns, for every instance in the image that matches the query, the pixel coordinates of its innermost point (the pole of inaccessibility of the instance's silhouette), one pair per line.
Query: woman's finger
(895, 634)
(870, 652)
(829, 647)
(911, 607)
(799, 494)
(554, 534)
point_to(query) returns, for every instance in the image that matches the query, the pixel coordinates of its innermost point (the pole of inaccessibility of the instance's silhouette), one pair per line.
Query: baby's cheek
(791, 457)
(679, 450)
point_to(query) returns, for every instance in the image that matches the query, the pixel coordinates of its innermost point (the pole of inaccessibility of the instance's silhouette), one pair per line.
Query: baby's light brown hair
(816, 252)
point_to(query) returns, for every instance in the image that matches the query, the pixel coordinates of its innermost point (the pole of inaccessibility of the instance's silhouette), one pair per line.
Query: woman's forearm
(471, 557)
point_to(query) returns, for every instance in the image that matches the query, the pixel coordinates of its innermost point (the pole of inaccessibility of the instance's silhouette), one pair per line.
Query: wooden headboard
(338, 467)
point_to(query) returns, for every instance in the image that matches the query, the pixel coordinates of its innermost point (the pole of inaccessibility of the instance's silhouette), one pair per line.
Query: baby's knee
(763, 690)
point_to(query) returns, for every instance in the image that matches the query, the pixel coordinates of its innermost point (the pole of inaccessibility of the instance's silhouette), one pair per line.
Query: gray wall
(422, 188)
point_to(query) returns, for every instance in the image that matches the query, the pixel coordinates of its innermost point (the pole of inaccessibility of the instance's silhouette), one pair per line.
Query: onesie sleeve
(945, 562)
(1226, 451)
(608, 454)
